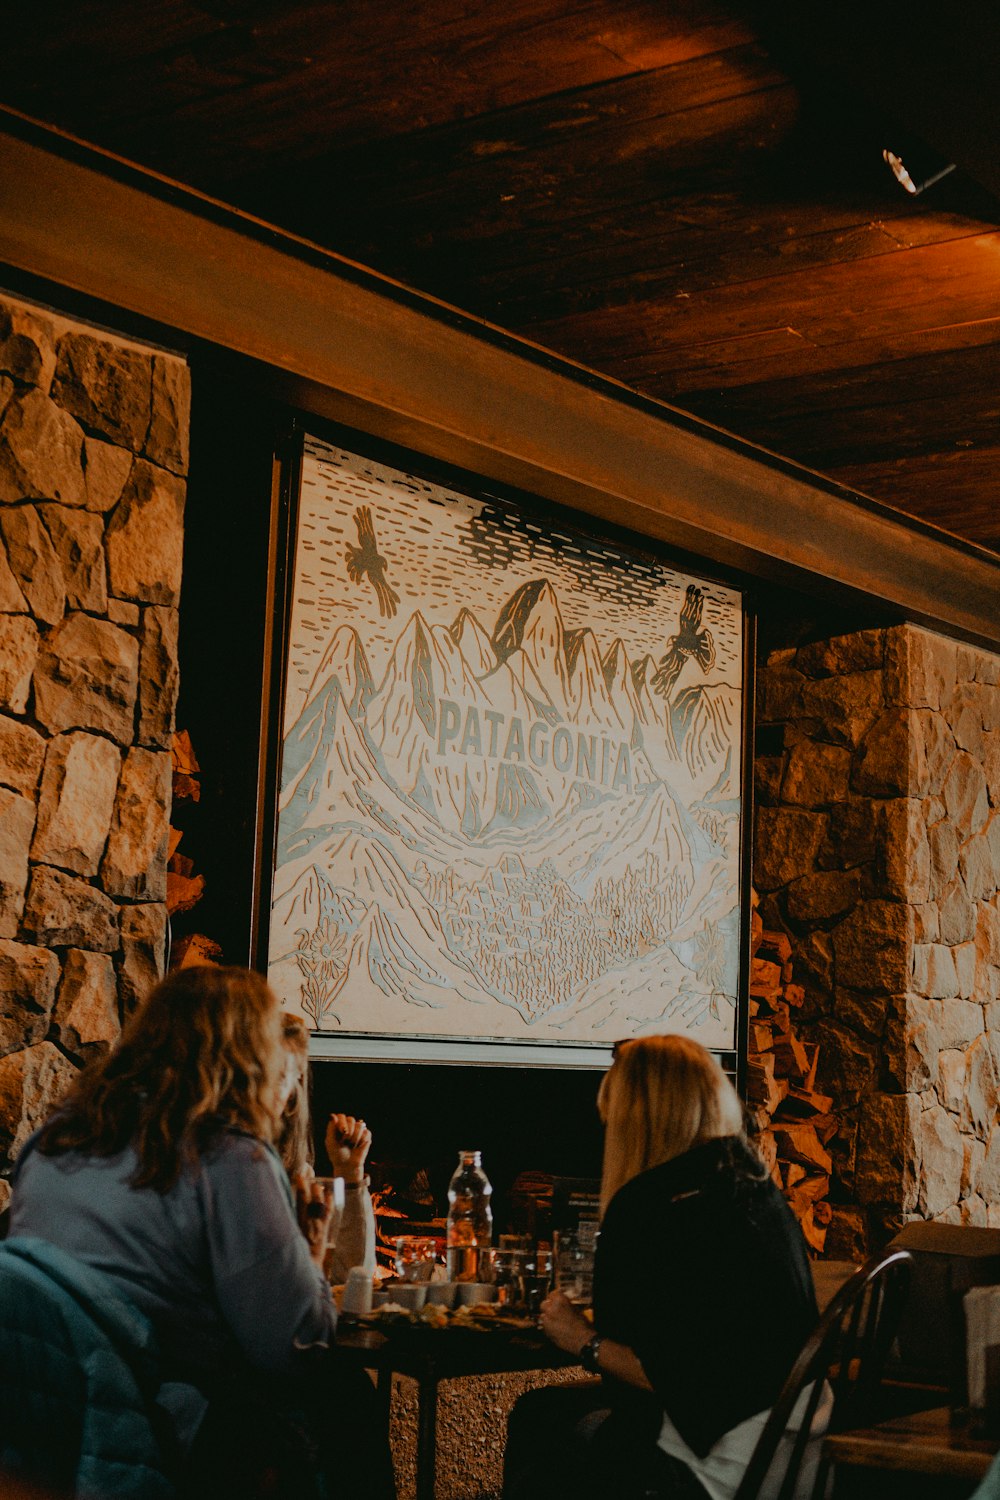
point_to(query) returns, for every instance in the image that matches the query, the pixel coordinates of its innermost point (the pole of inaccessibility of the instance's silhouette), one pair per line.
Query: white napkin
(982, 1329)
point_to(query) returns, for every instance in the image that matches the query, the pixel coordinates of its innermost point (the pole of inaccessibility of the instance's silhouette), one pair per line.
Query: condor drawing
(510, 780)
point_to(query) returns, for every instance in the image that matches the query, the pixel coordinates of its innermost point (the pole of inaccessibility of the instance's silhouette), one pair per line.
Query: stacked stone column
(877, 848)
(93, 454)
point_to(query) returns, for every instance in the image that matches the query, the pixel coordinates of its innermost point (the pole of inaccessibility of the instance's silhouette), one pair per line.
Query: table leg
(426, 1436)
(384, 1389)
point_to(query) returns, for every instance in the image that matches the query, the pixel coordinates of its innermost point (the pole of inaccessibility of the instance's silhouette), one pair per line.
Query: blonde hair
(294, 1142)
(203, 1052)
(661, 1096)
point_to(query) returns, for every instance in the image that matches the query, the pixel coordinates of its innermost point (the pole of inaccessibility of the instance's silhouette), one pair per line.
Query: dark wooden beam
(344, 343)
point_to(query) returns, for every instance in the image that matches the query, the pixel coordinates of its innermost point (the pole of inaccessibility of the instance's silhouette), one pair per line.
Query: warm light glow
(898, 171)
(902, 176)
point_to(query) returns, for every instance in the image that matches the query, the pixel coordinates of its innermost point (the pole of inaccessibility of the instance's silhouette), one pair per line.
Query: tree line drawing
(523, 932)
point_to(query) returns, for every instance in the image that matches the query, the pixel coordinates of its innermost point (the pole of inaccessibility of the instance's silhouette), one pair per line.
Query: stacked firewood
(184, 886)
(793, 1121)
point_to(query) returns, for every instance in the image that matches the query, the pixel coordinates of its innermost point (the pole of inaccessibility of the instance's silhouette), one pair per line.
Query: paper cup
(472, 1292)
(442, 1293)
(409, 1294)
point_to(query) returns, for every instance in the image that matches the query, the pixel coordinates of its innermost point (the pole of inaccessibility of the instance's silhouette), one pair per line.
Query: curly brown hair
(201, 1054)
(293, 1141)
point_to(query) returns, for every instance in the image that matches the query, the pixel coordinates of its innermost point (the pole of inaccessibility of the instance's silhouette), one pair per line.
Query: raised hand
(348, 1141)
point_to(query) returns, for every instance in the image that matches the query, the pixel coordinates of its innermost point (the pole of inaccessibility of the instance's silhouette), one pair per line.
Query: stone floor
(472, 1425)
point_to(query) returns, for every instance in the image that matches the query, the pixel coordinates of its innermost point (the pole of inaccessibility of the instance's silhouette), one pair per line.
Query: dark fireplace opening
(536, 1120)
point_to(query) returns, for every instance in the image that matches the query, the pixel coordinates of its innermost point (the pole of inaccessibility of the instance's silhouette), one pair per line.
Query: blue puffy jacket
(78, 1380)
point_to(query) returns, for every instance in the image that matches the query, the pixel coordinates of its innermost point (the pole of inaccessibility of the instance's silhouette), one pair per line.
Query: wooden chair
(847, 1349)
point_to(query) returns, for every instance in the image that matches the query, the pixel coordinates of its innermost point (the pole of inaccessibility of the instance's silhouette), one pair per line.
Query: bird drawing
(364, 560)
(690, 643)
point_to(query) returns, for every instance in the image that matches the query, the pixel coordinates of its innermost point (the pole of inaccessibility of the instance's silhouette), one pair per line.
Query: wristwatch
(590, 1354)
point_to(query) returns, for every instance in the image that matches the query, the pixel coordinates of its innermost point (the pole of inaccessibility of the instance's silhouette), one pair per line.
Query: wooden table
(429, 1356)
(940, 1453)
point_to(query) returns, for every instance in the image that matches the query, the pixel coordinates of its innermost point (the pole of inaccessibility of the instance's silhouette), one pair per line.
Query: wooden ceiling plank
(917, 227)
(575, 129)
(438, 68)
(590, 158)
(686, 263)
(781, 380)
(947, 373)
(614, 257)
(492, 258)
(866, 426)
(738, 211)
(203, 87)
(94, 39)
(819, 361)
(890, 295)
(955, 490)
(830, 441)
(447, 231)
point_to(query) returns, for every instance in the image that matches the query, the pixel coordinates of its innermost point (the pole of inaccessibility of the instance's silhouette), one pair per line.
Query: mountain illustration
(611, 836)
(500, 822)
(530, 638)
(338, 789)
(313, 734)
(480, 773)
(473, 642)
(308, 901)
(425, 666)
(621, 689)
(345, 659)
(400, 948)
(301, 905)
(706, 722)
(592, 702)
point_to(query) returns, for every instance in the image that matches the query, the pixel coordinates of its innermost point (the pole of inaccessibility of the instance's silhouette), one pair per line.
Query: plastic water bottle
(470, 1220)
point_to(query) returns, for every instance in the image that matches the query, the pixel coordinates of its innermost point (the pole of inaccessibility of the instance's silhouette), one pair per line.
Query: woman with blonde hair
(702, 1297)
(159, 1171)
(347, 1142)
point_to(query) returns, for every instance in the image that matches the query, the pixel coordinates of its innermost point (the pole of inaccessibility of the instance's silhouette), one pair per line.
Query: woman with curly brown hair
(159, 1171)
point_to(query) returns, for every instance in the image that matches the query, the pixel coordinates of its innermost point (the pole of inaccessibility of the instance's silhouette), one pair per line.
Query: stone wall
(877, 848)
(93, 454)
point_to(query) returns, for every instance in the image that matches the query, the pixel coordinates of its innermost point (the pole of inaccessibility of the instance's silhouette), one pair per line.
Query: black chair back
(847, 1351)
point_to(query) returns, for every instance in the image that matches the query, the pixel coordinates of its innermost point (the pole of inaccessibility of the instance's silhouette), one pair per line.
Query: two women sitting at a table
(158, 1172)
(702, 1298)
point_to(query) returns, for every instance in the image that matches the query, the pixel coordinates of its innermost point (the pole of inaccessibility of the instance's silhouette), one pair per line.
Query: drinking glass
(573, 1252)
(537, 1279)
(508, 1274)
(415, 1257)
(333, 1192)
(514, 1242)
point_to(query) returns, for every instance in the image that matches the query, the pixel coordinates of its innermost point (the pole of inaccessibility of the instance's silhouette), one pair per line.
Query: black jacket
(702, 1270)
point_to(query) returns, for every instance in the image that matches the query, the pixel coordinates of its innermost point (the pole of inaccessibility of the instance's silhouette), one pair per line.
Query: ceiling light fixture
(904, 178)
